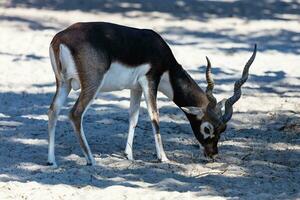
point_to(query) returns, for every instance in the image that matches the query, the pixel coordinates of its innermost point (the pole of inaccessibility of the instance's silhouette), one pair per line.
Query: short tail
(63, 73)
(56, 64)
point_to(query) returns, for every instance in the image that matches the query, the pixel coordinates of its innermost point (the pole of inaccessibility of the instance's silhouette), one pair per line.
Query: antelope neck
(186, 90)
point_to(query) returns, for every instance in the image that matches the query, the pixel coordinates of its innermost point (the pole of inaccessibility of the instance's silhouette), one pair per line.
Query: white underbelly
(120, 77)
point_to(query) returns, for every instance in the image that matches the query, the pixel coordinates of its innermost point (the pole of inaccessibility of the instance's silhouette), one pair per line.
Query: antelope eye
(206, 130)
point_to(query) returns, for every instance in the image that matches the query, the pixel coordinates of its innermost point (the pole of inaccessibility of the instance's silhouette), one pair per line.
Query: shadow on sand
(23, 121)
(23, 132)
(188, 9)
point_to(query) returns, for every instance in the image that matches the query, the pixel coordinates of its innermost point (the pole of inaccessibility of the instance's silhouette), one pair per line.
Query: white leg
(60, 97)
(150, 91)
(135, 100)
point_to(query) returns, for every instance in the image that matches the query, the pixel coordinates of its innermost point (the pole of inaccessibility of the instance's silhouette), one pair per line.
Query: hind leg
(62, 92)
(85, 98)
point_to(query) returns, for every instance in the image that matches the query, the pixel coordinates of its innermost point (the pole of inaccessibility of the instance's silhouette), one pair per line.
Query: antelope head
(208, 122)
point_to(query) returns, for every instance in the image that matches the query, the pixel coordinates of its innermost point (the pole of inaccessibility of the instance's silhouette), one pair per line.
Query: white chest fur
(165, 86)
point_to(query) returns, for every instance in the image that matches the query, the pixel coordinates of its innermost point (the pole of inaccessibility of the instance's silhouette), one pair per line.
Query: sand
(259, 154)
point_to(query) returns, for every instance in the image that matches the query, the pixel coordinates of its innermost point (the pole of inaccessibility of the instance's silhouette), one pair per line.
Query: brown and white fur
(101, 57)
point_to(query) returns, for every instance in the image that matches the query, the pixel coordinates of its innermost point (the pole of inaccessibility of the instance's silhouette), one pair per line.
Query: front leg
(135, 100)
(149, 87)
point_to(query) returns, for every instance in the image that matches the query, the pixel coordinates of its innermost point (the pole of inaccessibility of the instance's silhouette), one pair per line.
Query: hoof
(52, 164)
(129, 157)
(91, 163)
(164, 160)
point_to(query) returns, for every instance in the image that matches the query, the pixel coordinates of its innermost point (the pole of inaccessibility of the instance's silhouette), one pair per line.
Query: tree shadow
(282, 40)
(188, 9)
(271, 82)
(257, 152)
(262, 156)
(23, 57)
(32, 24)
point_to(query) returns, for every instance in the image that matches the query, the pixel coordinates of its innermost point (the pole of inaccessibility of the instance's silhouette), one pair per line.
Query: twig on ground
(215, 172)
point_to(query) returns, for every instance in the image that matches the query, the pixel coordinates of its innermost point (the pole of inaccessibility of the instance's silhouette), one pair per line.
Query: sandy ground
(259, 153)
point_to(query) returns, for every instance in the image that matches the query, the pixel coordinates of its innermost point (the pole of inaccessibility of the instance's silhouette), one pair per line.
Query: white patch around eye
(210, 128)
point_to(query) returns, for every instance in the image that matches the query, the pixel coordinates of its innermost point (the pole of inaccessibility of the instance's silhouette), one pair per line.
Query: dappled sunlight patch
(129, 5)
(37, 117)
(62, 118)
(283, 146)
(2, 115)
(171, 182)
(8, 177)
(73, 160)
(10, 124)
(32, 167)
(37, 142)
(240, 144)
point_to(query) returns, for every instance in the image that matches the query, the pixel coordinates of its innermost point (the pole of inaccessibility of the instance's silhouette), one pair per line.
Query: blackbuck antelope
(101, 57)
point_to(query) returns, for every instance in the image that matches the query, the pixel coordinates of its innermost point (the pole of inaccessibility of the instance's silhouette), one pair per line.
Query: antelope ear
(194, 111)
(221, 106)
